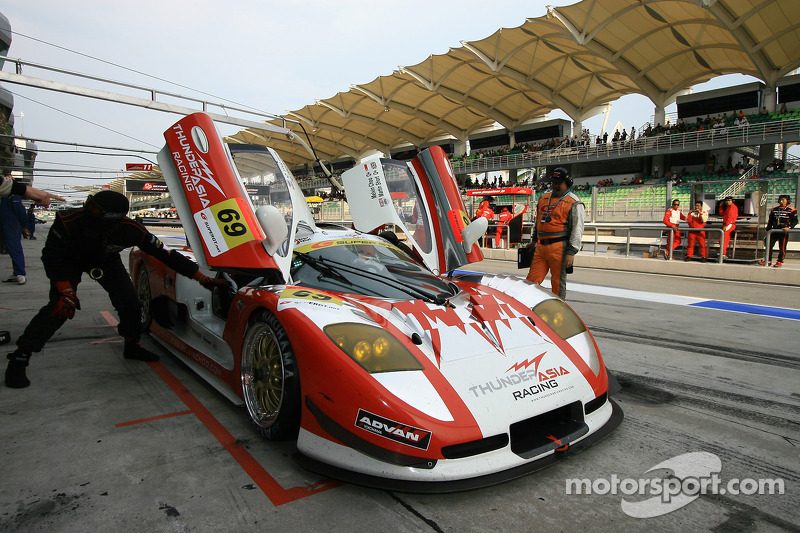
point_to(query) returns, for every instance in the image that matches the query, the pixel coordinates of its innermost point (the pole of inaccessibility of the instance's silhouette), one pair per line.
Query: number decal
(223, 226)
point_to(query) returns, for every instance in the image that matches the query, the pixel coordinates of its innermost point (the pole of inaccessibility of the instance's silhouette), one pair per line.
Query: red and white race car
(389, 366)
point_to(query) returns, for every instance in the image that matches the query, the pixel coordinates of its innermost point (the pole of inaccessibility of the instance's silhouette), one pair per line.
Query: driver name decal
(389, 429)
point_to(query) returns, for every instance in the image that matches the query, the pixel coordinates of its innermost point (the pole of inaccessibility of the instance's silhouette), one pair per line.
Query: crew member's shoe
(15, 371)
(133, 350)
(778, 264)
(705, 259)
(687, 258)
(18, 279)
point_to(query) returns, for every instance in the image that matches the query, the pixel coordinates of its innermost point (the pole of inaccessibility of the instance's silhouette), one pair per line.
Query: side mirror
(473, 232)
(274, 226)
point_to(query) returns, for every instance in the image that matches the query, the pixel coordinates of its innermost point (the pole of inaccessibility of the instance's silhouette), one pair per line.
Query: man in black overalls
(89, 239)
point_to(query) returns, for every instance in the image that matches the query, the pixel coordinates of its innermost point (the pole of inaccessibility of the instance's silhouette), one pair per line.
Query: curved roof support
(350, 115)
(765, 69)
(427, 117)
(505, 70)
(647, 87)
(465, 99)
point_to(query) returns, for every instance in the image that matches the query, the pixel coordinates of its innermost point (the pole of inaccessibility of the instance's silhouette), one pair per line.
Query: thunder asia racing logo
(519, 373)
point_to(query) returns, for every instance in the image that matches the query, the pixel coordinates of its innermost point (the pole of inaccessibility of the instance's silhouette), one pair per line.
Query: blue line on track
(777, 312)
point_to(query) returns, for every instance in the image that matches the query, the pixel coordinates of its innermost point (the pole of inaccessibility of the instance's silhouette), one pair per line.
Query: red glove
(67, 301)
(210, 283)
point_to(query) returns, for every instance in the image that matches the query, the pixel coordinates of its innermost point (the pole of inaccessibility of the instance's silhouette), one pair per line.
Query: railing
(647, 228)
(770, 237)
(737, 186)
(713, 138)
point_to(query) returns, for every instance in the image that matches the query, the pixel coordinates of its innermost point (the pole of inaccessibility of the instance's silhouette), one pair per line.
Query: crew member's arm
(152, 245)
(576, 215)
(792, 220)
(668, 219)
(771, 221)
(8, 186)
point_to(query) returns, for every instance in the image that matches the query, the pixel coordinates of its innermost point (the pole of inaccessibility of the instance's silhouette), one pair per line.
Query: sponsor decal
(192, 168)
(339, 242)
(147, 167)
(389, 429)
(540, 380)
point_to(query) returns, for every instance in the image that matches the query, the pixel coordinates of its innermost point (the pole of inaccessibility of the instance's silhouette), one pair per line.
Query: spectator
(14, 220)
(782, 216)
(697, 218)
(729, 212)
(31, 223)
(673, 217)
(557, 233)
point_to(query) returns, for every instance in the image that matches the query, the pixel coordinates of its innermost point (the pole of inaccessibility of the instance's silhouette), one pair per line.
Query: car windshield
(368, 267)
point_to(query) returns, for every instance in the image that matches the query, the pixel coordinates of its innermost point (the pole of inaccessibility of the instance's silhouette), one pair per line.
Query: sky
(271, 56)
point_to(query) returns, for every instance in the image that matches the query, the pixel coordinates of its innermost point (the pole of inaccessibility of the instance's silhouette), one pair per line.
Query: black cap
(559, 173)
(112, 204)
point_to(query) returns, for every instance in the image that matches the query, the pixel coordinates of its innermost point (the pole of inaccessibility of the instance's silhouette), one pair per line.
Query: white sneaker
(19, 280)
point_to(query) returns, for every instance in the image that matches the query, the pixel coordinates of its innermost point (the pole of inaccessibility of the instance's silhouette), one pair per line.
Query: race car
(388, 363)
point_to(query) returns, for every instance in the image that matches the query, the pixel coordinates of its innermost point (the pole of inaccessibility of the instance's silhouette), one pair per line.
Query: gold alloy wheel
(262, 375)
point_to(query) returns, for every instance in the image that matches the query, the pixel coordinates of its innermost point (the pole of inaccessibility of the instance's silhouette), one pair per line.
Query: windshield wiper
(323, 269)
(411, 291)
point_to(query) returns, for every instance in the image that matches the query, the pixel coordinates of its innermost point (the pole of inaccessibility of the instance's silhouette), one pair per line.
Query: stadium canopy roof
(575, 58)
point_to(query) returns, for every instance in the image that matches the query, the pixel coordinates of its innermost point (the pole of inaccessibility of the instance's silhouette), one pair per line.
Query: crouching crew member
(782, 216)
(557, 233)
(89, 240)
(697, 218)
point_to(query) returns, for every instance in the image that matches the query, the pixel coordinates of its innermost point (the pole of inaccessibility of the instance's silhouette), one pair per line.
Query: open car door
(420, 197)
(226, 229)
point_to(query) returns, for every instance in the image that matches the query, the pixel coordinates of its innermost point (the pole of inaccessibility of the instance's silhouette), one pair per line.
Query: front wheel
(270, 380)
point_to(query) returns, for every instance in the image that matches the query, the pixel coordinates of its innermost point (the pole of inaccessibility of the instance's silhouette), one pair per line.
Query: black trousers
(782, 241)
(117, 283)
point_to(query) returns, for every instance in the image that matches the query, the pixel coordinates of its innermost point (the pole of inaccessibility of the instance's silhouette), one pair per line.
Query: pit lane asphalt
(98, 443)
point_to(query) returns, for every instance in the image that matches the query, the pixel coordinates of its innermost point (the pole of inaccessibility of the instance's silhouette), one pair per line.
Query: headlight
(372, 348)
(561, 319)
(566, 324)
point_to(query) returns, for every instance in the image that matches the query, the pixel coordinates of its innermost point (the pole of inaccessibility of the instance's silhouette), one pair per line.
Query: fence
(753, 134)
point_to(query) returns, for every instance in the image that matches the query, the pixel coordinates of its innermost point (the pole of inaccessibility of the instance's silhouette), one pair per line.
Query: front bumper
(448, 475)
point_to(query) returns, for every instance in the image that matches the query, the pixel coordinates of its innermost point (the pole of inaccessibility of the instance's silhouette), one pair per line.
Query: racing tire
(270, 379)
(145, 296)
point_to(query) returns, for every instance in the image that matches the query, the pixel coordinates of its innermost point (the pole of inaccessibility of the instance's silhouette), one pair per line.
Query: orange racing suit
(557, 233)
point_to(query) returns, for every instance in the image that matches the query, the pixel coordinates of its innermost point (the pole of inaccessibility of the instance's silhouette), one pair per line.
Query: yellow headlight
(380, 347)
(362, 351)
(372, 348)
(560, 317)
